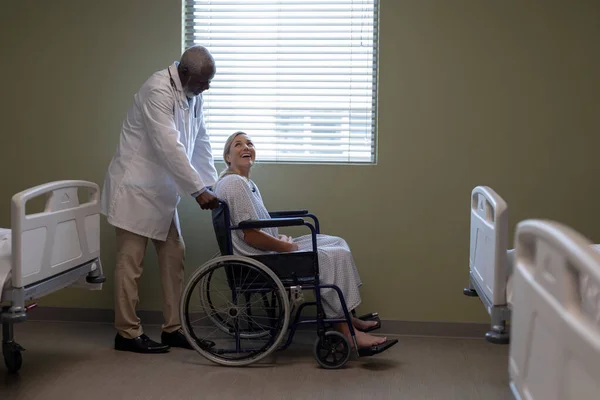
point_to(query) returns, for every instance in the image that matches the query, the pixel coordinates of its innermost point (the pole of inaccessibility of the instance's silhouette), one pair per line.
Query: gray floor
(76, 361)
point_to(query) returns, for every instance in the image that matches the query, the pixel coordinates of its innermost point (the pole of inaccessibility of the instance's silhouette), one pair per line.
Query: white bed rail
(61, 237)
(489, 243)
(555, 330)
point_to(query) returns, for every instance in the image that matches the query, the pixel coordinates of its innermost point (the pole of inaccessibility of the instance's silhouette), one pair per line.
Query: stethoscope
(183, 103)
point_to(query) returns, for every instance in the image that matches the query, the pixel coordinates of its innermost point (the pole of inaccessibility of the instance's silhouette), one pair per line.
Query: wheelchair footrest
(380, 348)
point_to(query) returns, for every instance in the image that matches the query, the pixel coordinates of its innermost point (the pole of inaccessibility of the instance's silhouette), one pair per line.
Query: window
(299, 76)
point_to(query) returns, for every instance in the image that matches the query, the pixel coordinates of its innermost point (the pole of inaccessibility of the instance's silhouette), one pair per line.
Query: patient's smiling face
(241, 152)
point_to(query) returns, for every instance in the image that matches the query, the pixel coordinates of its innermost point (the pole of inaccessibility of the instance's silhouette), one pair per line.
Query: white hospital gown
(336, 264)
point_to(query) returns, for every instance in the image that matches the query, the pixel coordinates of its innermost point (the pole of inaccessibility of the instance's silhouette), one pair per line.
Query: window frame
(374, 96)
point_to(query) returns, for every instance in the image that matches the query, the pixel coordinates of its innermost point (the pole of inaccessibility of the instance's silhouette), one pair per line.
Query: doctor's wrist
(198, 193)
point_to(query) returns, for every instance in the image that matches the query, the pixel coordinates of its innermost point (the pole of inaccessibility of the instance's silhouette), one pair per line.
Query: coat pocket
(147, 176)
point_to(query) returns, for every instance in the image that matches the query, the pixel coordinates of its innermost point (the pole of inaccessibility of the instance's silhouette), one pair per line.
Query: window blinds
(300, 77)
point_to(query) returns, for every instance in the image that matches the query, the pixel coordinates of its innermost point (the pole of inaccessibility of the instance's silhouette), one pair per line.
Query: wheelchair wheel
(218, 320)
(332, 350)
(230, 310)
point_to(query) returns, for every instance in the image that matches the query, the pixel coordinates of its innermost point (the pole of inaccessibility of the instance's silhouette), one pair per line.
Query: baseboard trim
(389, 327)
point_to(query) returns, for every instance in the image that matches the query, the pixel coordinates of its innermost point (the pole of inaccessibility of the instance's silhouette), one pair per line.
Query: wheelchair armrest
(269, 223)
(280, 222)
(297, 213)
(287, 213)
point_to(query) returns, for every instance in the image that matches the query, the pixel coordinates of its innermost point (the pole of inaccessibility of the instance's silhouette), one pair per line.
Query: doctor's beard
(189, 94)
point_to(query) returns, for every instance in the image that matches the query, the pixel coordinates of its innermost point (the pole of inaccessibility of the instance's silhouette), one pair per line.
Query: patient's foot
(362, 339)
(362, 325)
(366, 340)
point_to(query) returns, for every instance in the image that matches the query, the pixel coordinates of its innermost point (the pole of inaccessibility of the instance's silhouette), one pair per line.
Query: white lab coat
(164, 153)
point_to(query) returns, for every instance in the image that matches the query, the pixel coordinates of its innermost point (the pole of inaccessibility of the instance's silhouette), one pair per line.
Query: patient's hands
(288, 239)
(290, 242)
(264, 241)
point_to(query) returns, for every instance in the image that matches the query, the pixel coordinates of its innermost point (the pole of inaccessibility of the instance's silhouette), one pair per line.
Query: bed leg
(498, 334)
(470, 291)
(95, 275)
(7, 332)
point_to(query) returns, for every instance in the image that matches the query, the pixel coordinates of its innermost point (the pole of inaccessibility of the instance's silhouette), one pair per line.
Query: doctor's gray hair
(198, 61)
(226, 151)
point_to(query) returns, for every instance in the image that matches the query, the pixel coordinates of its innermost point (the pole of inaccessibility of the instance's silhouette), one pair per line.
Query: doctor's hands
(207, 200)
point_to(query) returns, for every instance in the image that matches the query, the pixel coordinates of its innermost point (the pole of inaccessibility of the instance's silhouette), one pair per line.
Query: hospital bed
(491, 261)
(555, 329)
(46, 251)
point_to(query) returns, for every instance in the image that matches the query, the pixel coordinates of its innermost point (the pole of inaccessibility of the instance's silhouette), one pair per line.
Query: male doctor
(164, 153)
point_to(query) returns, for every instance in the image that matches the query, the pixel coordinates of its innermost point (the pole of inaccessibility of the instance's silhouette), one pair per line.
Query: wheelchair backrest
(221, 222)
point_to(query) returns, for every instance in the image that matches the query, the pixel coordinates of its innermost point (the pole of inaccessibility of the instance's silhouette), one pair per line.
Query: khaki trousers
(131, 249)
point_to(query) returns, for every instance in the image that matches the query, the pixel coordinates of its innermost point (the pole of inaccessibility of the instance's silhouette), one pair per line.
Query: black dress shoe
(177, 339)
(140, 344)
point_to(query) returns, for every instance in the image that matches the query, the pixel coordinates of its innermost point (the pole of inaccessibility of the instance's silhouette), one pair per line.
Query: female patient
(336, 265)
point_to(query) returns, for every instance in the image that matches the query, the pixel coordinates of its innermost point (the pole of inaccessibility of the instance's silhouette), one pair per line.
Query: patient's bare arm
(263, 241)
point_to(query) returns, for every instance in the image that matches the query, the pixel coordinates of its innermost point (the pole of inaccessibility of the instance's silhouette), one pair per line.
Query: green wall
(471, 92)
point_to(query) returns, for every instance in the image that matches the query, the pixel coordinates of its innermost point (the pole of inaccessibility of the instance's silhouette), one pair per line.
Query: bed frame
(51, 250)
(491, 261)
(555, 330)
(489, 265)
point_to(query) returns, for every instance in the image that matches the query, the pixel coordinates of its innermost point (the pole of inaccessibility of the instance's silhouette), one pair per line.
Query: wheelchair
(236, 310)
